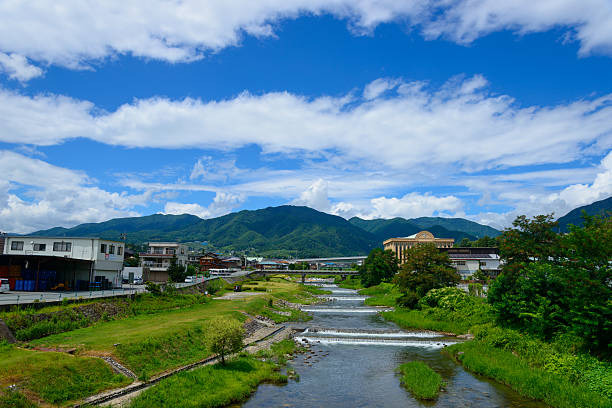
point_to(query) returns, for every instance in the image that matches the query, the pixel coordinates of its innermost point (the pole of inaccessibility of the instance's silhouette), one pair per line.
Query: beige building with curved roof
(400, 245)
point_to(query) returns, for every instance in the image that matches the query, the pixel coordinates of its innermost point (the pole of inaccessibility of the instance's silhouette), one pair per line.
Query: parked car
(4, 285)
(189, 279)
(138, 281)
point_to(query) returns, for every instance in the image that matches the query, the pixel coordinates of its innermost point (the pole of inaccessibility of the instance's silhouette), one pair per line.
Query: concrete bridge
(302, 272)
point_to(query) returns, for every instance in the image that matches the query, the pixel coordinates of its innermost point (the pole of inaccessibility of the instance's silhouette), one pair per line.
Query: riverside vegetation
(422, 382)
(544, 329)
(153, 333)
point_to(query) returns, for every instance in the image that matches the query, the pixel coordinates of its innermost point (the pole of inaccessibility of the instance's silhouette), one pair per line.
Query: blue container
(19, 285)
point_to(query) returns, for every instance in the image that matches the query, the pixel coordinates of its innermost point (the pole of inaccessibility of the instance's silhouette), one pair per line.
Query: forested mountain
(602, 207)
(457, 228)
(275, 231)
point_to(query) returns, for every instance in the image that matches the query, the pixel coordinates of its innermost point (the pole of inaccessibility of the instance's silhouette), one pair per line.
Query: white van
(4, 285)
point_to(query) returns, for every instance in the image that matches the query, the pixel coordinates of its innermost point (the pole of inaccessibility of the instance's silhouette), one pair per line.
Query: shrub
(409, 300)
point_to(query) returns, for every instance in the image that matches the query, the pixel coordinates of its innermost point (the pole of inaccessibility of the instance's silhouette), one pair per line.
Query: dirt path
(260, 339)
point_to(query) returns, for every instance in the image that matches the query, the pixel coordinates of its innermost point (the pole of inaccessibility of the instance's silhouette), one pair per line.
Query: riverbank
(550, 372)
(146, 344)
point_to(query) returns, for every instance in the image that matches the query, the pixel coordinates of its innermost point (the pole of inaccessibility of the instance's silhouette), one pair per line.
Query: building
(158, 256)
(468, 260)
(400, 245)
(61, 263)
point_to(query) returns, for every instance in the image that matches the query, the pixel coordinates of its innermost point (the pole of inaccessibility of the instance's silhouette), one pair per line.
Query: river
(353, 358)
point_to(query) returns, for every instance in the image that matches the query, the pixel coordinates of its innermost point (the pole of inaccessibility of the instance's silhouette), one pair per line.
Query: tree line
(550, 284)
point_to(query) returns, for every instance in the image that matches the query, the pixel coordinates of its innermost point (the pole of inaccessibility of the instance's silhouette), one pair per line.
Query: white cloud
(75, 33)
(379, 86)
(463, 21)
(36, 195)
(457, 127)
(315, 196)
(17, 67)
(208, 169)
(222, 204)
(413, 205)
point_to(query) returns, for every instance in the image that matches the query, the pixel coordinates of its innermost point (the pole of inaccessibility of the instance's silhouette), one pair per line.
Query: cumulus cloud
(17, 67)
(315, 196)
(222, 204)
(414, 127)
(36, 195)
(209, 169)
(78, 32)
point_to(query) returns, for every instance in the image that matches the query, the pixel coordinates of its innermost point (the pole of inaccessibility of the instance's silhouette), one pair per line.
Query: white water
(379, 342)
(345, 298)
(343, 310)
(338, 333)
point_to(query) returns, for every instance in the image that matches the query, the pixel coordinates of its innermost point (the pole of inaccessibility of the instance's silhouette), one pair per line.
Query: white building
(73, 262)
(158, 256)
(468, 260)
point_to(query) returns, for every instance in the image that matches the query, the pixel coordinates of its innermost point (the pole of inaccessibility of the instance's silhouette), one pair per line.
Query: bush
(409, 300)
(153, 288)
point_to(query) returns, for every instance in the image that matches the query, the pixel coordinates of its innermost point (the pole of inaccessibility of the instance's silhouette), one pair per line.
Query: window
(102, 248)
(120, 250)
(170, 251)
(40, 247)
(17, 245)
(182, 251)
(482, 263)
(459, 263)
(158, 251)
(111, 249)
(62, 246)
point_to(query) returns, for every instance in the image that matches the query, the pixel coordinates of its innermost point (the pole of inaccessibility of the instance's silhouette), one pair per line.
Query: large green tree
(425, 268)
(379, 266)
(177, 273)
(225, 336)
(553, 284)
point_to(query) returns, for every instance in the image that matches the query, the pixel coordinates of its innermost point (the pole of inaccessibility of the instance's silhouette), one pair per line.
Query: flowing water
(352, 360)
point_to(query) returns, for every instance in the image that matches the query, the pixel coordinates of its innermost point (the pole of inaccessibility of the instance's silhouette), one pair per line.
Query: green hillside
(274, 231)
(602, 207)
(456, 228)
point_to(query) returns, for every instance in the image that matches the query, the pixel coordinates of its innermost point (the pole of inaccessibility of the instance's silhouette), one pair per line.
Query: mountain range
(601, 207)
(275, 231)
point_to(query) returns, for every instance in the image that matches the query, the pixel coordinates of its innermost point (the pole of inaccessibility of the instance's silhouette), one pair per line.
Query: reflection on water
(352, 360)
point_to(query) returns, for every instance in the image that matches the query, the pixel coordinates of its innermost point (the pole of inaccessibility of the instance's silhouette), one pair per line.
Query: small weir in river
(352, 358)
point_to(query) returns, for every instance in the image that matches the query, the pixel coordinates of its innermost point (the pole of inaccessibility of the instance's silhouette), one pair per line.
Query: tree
(425, 268)
(465, 243)
(379, 266)
(531, 240)
(192, 270)
(225, 336)
(557, 284)
(177, 273)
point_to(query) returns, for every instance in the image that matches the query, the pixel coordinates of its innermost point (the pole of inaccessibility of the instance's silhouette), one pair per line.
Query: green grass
(156, 354)
(55, 377)
(421, 380)
(14, 399)
(417, 319)
(351, 282)
(503, 366)
(384, 294)
(210, 386)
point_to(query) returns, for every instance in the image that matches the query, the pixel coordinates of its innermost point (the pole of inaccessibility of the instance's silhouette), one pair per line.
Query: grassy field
(218, 385)
(351, 282)
(160, 334)
(54, 377)
(422, 382)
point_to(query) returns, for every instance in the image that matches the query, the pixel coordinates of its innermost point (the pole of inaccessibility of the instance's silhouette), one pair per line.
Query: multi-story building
(63, 262)
(158, 256)
(400, 245)
(468, 260)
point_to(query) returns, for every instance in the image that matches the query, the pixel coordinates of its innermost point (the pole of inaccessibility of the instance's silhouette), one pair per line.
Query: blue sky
(376, 109)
